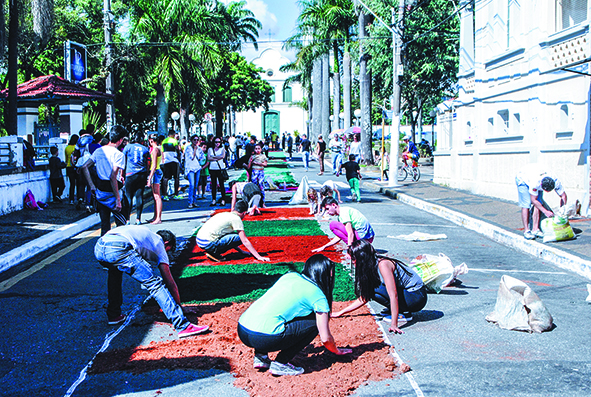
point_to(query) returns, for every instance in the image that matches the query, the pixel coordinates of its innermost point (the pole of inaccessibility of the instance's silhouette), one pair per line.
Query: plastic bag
(301, 195)
(556, 229)
(519, 308)
(30, 202)
(436, 272)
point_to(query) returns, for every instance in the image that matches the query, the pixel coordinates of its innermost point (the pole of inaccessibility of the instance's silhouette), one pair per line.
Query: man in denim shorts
(531, 183)
(131, 250)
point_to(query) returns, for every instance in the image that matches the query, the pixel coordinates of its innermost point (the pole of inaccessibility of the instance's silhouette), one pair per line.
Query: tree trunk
(325, 117)
(162, 107)
(364, 95)
(316, 98)
(184, 119)
(13, 30)
(337, 89)
(219, 121)
(347, 88)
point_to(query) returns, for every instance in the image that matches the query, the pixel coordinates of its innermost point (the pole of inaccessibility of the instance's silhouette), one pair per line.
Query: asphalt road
(54, 321)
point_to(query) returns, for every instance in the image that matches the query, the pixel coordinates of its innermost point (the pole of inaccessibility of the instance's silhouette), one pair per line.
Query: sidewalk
(498, 219)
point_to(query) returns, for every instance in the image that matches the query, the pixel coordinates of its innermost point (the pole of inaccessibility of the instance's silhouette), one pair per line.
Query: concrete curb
(32, 248)
(560, 258)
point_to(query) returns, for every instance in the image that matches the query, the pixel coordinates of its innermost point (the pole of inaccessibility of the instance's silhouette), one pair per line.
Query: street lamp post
(192, 121)
(357, 115)
(342, 118)
(175, 116)
(331, 118)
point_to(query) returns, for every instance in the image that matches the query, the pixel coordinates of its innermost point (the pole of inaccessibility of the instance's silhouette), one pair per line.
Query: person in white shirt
(133, 250)
(532, 181)
(110, 166)
(194, 157)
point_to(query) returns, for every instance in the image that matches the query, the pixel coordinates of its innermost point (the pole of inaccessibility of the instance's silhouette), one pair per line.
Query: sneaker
(71, 202)
(165, 198)
(193, 329)
(529, 235)
(117, 320)
(539, 234)
(190, 206)
(261, 361)
(214, 257)
(177, 197)
(279, 369)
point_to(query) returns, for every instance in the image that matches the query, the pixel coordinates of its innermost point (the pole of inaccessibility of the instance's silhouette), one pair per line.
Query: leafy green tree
(238, 84)
(430, 55)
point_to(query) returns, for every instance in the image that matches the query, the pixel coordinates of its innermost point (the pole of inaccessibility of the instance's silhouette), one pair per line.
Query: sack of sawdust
(519, 308)
(436, 271)
(556, 229)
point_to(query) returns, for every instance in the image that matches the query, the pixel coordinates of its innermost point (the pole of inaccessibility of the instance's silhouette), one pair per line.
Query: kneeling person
(250, 193)
(131, 249)
(225, 231)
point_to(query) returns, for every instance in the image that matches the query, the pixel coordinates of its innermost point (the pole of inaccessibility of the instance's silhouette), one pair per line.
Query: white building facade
(524, 98)
(283, 115)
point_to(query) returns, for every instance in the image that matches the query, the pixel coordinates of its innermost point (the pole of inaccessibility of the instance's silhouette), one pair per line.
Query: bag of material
(556, 229)
(519, 308)
(436, 272)
(301, 195)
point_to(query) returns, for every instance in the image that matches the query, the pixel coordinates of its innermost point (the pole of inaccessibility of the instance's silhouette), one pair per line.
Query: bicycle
(405, 170)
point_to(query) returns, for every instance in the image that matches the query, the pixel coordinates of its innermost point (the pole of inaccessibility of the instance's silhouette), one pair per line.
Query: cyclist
(411, 152)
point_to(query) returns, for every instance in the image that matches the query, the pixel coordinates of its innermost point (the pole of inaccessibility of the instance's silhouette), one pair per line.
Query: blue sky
(278, 18)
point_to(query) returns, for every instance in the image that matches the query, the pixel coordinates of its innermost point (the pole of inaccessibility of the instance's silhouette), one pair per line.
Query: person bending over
(225, 231)
(350, 225)
(401, 291)
(250, 193)
(289, 316)
(133, 250)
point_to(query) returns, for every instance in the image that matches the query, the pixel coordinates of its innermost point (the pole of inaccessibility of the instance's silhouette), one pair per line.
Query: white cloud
(261, 11)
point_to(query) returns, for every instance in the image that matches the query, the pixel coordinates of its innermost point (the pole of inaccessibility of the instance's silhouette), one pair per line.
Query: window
(504, 121)
(570, 13)
(563, 118)
(491, 126)
(287, 94)
(516, 124)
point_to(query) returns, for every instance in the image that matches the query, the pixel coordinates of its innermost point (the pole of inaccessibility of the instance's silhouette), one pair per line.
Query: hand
(396, 330)
(337, 314)
(265, 259)
(342, 351)
(549, 214)
(318, 249)
(118, 205)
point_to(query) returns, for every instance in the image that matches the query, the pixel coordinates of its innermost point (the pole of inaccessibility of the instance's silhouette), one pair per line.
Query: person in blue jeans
(289, 316)
(136, 173)
(133, 250)
(305, 146)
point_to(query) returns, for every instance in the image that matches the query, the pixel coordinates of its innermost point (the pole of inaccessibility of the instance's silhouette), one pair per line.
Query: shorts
(524, 197)
(157, 178)
(170, 170)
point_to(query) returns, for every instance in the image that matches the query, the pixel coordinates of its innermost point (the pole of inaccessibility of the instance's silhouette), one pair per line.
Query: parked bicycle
(405, 170)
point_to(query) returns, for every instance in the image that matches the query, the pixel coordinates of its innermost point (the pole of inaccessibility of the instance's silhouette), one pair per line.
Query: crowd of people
(113, 172)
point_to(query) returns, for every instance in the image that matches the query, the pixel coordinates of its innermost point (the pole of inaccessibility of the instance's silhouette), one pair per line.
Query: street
(54, 321)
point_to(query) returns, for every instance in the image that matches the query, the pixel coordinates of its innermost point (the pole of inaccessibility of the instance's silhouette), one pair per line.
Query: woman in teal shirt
(290, 315)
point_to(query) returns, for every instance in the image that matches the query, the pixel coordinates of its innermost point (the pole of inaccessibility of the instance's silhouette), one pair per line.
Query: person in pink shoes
(133, 250)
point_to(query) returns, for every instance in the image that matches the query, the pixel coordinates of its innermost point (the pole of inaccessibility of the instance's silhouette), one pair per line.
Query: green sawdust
(277, 155)
(300, 227)
(278, 176)
(243, 283)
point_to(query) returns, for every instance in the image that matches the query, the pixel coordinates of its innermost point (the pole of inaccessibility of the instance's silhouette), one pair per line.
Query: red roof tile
(55, 87)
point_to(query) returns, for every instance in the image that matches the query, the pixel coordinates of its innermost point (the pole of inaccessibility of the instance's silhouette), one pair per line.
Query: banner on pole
(74, 61)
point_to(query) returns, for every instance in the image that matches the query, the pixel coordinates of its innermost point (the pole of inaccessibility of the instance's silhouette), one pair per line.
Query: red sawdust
(326, 374)
(279, 249)
(277, 213)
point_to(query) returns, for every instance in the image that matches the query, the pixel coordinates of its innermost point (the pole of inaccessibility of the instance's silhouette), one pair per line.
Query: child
(257, 163)
(56, 177)
(315, 197)
(353, 174)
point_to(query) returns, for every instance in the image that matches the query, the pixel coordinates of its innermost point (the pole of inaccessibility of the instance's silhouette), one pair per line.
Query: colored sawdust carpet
(240, 283)
(278, 248)
(277, 213)
(326, 374)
